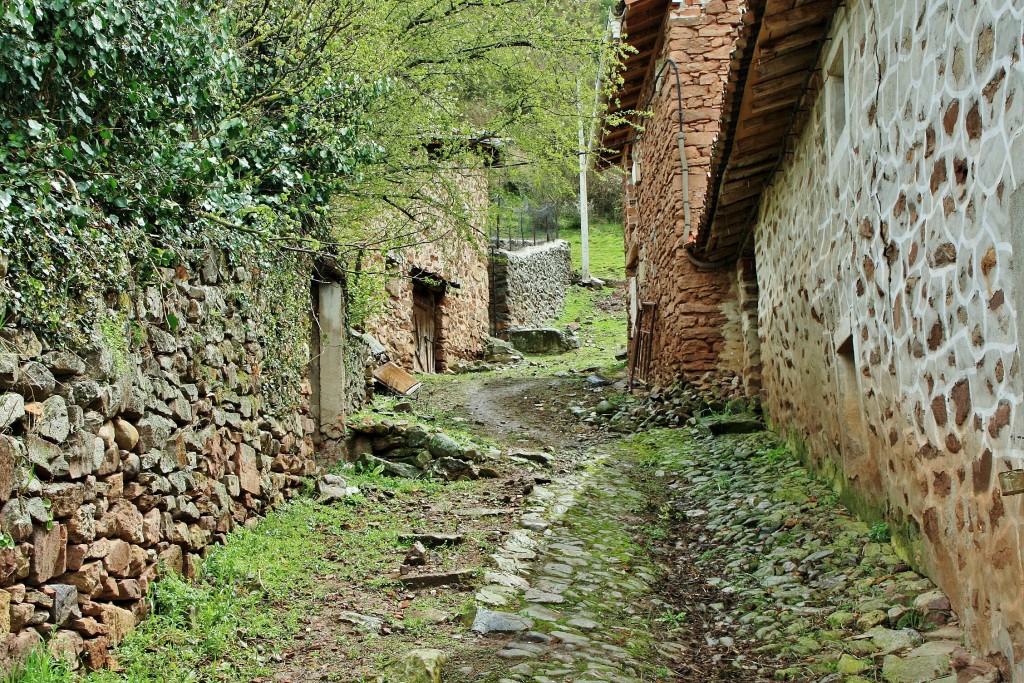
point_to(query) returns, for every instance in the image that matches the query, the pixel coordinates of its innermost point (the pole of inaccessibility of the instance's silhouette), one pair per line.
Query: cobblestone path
(570, 600)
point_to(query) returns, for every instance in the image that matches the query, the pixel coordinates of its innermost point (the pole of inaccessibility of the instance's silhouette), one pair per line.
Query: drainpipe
(680, 137)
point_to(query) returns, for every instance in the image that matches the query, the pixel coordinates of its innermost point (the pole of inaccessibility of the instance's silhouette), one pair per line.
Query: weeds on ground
(39, 667)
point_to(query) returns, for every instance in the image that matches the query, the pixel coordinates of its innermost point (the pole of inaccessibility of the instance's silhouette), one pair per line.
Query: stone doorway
(426, 299)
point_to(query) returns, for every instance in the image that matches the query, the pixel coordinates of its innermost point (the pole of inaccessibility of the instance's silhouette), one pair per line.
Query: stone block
(53, 423)
(35, 382)
(88, 579)
(82, 524)
(10, 370)
(247, 469)
(65, 603)
(115, 554)
(96, 652)
(123, 520)
(5, 614)
(126, 436)
(16, 520)
(542, 340)
(120, 622)
(12, 409)
(66, 646)
(153, 431)
(11, 452)
(64, 497)
(49, 557)
(64, 363)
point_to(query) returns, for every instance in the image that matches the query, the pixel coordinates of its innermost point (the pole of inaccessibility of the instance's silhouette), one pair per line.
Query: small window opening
(849, 398)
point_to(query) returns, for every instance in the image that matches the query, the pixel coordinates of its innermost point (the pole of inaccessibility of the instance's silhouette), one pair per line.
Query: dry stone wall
(138, 454)
(890, 293)
(698, 328)
(528, 285)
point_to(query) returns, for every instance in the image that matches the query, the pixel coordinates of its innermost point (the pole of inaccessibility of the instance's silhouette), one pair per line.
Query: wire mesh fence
(523, 224)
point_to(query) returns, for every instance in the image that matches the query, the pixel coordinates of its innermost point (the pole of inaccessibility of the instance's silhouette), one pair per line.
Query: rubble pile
(404, 449)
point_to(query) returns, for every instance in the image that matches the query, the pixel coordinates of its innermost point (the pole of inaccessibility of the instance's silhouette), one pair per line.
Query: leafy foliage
(134, 133)
(139, 133)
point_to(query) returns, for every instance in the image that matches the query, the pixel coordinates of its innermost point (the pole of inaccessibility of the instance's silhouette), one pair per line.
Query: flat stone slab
(365, 622)
(489, 621)
(434, 540)
(534, 595)
(436, 579)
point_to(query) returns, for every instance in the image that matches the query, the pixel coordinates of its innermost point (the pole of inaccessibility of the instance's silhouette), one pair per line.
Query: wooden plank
(788, 21)
(397, 379)
(775, 86)
(773, 67)
(785, 44)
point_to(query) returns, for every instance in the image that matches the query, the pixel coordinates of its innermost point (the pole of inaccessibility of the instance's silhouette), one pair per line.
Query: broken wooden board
(397, 379)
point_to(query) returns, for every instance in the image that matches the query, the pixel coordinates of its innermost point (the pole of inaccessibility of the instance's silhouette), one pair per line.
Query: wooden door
(423, 315)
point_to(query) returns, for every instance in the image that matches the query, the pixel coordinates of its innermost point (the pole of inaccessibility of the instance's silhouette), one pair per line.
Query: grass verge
(607, 255)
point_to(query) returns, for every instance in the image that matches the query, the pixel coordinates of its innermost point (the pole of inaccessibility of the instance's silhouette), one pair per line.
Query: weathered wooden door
(423, 316)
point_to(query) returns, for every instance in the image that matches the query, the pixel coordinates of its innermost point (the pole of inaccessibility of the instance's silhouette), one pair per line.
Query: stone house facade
(697, 326)
(866, 186)
(436, 310)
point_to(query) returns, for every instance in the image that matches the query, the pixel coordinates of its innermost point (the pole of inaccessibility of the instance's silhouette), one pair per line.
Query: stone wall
(890, 293)
(698, 327)
(142, 452)
(463, 309)
(528, 285)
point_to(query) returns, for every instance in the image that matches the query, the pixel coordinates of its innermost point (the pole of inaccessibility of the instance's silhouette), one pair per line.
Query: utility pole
(586, 139)
(584, 199)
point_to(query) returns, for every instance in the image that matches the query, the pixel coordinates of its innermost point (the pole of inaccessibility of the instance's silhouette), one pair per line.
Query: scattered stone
(434, 540)
(457, 576)
(488, 621)
(914, 669)
(539, 457)
(888, 640)
(331, 488)
(416, 666)
(364, 622)
(417, 555)
(429, 615)
(734, 424)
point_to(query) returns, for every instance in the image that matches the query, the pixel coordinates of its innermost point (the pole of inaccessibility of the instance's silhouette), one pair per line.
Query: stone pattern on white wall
(899, 239)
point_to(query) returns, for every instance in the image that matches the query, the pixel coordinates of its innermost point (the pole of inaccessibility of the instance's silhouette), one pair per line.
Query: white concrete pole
(584, 200)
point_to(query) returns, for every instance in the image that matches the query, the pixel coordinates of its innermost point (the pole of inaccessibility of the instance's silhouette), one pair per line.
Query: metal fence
(527, 224)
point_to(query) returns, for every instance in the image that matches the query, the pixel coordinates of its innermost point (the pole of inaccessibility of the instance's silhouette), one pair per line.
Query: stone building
(436, 311)
(856, 192)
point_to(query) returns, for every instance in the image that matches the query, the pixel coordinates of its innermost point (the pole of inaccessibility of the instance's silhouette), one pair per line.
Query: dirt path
(671, 556)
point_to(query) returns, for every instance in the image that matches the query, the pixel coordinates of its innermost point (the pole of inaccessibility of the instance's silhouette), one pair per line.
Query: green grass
(39, 667)
(607, 254)
(230, 623)
(605, 331)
